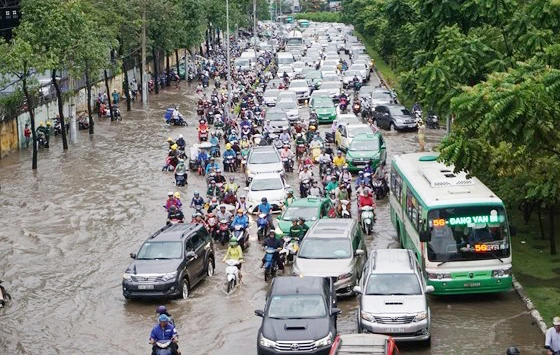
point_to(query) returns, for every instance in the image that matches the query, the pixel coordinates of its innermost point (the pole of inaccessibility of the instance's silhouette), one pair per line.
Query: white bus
(457, 226)
(294, 39)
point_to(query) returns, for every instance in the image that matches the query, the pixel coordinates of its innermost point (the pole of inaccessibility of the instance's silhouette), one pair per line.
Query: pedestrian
(27, 134)
(552, 338)
(421, 136)
(116, 97)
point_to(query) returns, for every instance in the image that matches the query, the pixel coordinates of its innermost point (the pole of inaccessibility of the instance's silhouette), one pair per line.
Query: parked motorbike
(367, 217)
(232, 274)
(5, 297)
(432, 121)
(270, 265)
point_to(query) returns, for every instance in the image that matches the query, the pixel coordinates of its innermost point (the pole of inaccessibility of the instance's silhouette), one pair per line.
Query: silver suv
(261, 160)
(393, 296)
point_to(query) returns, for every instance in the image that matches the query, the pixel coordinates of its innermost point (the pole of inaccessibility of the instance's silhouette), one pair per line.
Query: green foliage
(319, 16)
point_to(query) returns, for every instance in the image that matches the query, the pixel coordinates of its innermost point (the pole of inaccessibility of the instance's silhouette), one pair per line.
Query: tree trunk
(60, 110)
(126, 88)
(156, 76)
(88, 91)
(219, 41)
(106, 77)
(177, 60)
(168, 70)
(540, 217)
(552, 231)
(31, 111)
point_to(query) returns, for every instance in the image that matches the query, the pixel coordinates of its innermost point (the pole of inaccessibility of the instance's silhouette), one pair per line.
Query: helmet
(298, 135)
(161, 309)
(233, 241)
(177, 194)
(198, 214)
(42, 124)
(213, 182)
(180, 136)
(196, 193)
(181, 160)
(223, 206)
(339, 152)
(311, 128)
(361, 172)
(228, 146)
(345, 167)
(170, 193)
(173, 208)
(48, 123)
(214, 199)
(301, 219)
(243, 197)
(218, 171)
(231, 178)
(174, 147)
(290, 191)
(240, 211)
(512, 350)
(263, 199)
(272, 232)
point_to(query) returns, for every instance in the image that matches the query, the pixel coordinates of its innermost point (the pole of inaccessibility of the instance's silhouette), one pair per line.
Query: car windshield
(313, 75)
(297, 306)
(287, 105)
(399, 111)
(264, 158)
(351, 73)
(365, 145)
(325, 248)
(299, 65)
(393, 284)
(331, 78)
(298, 84)
(307, 213)
(276, 116)
(354, 131)
(266, 184)
(382, 95)
(271, 93)
(323, 104)
(160, 250)
(285, 60)
(468, 233)
(330, 85)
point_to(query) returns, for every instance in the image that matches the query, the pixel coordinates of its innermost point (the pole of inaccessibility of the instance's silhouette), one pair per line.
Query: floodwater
(67, 229)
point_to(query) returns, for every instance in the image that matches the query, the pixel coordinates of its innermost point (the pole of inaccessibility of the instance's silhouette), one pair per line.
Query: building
(10, 15)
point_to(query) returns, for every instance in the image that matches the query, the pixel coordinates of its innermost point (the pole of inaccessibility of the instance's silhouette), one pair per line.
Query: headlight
(438, 276)
(169, 276)
(348, 275)
(248, 172)
(501, 273)
(127, 277)
(266, 343)
(326, 341)
(420, 316)
(367, 316)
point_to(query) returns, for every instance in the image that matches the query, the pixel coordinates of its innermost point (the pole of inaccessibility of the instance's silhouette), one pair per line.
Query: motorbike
(288, 164)
(5, 297)
(230, 198)
(380, 189)
(242, 236)
(343, 105)
(212, 224)
(223, 231)
(270, 265)
(300, 150)
(229, 164)
(42, 140)
(181, 179)
(305, 186)
(175, 221)
(215, 151)
(205, 81)
(290, 249)
(262, 226)
(329, 136)
(170, 163)
(368, 217)
(179, 121)
(163, 347)
(432, 121)
(203, 135)
(232, 274)
(345, 209)
(276, 142)
(357, 86)
(418, 115)
(357, 108)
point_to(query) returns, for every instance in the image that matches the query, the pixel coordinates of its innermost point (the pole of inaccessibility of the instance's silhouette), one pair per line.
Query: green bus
(457, 226)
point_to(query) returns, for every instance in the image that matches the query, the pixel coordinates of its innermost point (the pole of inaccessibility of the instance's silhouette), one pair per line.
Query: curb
(530, 306)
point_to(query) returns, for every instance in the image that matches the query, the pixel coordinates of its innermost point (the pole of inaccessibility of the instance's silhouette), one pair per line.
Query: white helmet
(180, 136)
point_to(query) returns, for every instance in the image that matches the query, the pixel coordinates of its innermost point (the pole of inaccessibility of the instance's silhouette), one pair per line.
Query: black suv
(299, 316)
(170, 263)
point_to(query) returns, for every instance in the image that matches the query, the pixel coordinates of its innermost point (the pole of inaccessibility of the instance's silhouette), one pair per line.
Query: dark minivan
(299, 316)
(394, 117)
(170, 263)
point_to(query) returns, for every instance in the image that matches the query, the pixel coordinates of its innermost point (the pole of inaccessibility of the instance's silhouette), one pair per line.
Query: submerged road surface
(66, 231)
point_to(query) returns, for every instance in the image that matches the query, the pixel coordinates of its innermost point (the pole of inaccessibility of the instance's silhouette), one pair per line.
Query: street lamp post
(228, 62)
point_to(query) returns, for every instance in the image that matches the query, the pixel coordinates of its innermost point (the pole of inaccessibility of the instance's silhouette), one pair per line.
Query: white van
(284, 58)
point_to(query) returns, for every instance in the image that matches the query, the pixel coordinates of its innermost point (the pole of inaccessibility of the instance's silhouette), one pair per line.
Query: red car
(364, 344)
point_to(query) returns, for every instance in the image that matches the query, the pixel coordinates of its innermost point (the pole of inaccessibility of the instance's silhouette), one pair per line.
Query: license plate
(145, 287)
(394, 330)
(472, 284)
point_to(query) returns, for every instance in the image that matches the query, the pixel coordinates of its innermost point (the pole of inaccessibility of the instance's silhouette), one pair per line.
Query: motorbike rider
(416, 107)
(272, 242)
(181, 169)
(176, 115)
(170, 142)
(310, 134)
(267, 128)
(365, 199)
(234, 252)
(289, 199)
(212, 165)
(229, 153)
(305, 174)
(345, 176)
(342, 193)
(202, 125)
(362, 178)
(240, 219)
(295, 229)
(315, 190)
(363, 188)
(224, 214)
(171, 201)
(355, 80)
(304, 228)
(180, 142)
(241, 204)
(231, 186)
(163, 310)
(332, 185)
(197, 200)
(339, 160)
(266, 208)
(203, 159)
(175, 214)
(285, 137)
(380, 172)
(219, 178)
(213, 191)
(164, 330)
(42, 130)
(198, 219)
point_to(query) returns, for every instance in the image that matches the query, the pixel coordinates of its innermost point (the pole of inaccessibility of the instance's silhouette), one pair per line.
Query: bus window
(396, 185)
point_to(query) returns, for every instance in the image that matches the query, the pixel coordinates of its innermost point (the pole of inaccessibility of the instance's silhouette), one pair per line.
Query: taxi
(345, 133)
(366, 149)
(310, 208)
(324, 108)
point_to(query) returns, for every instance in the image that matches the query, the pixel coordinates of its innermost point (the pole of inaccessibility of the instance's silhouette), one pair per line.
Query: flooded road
(67, 229)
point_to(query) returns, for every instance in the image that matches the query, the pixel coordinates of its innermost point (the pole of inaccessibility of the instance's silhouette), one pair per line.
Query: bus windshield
(468, 233)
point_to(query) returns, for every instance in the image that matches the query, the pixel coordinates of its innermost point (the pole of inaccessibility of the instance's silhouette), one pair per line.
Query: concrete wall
(8, 137)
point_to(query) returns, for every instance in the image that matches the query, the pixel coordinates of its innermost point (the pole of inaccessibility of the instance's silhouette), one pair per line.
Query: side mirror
(287, 186)
(425, 236)
(430, 289)
(190, 255)
(246, 188)
(357, 289)
(512, 231)
(359, 252)
(259, 313)
(133, 255)
(336, 311)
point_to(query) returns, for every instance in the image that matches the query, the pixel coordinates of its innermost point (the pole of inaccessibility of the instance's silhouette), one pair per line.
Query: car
(290, 107)
(371, 344)
(366, 149)
(346, 118)
(333, 248)
(287, 95)
(301, 89)
(299, 317)
(298, 68)
(269, 185)
(285, 68)
(261, 160)
(367, 63)
(394, 117)
(348, 77)
(320, 94)
(278, 119)
(345, 133)
(243, 63)
(381, 96)
(331, 77)
(170, 263)
(393, 296)
(310, 208)
(270, 96)
(362, 69)
(334, 89)
(325, 110)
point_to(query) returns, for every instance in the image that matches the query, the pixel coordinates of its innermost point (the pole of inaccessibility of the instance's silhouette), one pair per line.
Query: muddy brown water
(67, 229)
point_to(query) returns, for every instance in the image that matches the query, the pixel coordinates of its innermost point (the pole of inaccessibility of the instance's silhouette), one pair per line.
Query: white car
(334, 88)
(361, 68)
(348, 77)
(301, 89)
(346, 133)
(290, 108)
(285, 68)
(272, 186)
(270, 96)
(298, 68)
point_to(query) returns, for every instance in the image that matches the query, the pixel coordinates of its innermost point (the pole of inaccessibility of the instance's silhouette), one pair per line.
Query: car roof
(391, 261)
(306, 285)
(331, 228)
(366, 136)
(266, 176)
(174, 232)
(308, 201)
(263, 149)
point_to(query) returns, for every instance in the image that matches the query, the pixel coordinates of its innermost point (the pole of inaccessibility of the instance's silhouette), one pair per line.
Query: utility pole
(143, 71)
(228, 103)
(255, 28)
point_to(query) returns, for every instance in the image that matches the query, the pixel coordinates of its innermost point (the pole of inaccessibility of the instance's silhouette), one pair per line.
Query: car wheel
(392, 127)
(210, 267)
(428, 342)
(185, 289)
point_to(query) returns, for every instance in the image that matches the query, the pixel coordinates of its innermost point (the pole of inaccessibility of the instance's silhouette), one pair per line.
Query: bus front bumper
(469, 286)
